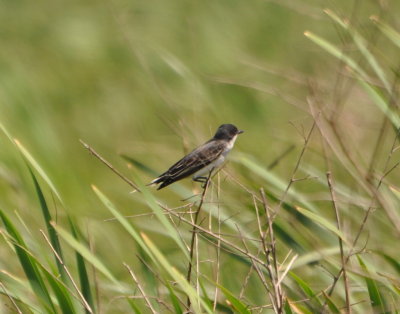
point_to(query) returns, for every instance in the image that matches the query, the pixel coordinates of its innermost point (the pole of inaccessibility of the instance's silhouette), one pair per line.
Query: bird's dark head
(227, 132)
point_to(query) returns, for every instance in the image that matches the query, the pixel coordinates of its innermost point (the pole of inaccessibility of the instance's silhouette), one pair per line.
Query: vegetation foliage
(98, 98)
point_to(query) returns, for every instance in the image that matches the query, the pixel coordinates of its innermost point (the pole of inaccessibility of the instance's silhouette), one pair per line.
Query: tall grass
(303, 219)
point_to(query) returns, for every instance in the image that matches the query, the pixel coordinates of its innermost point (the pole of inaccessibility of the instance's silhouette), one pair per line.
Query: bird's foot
(202, 180)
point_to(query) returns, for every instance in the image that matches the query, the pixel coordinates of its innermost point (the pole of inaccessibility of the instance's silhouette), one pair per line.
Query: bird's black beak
(240, 132)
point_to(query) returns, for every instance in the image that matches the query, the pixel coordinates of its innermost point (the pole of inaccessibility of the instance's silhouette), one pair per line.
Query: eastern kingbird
(203, 159)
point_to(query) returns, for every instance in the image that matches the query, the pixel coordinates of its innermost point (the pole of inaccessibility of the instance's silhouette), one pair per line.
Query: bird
(202, 160)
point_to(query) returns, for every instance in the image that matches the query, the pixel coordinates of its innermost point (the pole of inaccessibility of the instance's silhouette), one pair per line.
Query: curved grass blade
(174, 299)
(336, 53)
(83, 275)
(196, 301)
(287, 308)
(388, 31)
(29, 266)
(238, 305)
(362, 45)
(134, 307)
(390, 260)
(332, 306)
(121, 219)
(85, 252)
(30, 160)
(306, 288)
(380, 102)
(322, 221)
(375, 296)
(360, 74)
(158, 211)
(293, 307)
(19, 290)
(50, 230)
(264, 173)
(61, 293)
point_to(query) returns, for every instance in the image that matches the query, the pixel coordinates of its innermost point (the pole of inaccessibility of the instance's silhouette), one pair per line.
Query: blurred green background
(154, 79)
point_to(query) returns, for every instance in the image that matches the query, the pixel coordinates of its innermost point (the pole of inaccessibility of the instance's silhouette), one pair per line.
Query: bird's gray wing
(194, 161)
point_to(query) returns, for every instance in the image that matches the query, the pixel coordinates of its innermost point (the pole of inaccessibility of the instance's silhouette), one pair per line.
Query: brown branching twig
(367, 214)
(292, 180)
(217, 237)
(272, 262)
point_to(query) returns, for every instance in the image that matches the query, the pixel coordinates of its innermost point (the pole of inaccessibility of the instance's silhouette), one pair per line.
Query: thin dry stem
(142, 292)
(342, 258)
(17, 309)
(271, 255)
(218, 247)
(109, 165)
(260, 275)
(82, 298)
(194, 233)
(367, 214)
(292, 180)
(217, 237)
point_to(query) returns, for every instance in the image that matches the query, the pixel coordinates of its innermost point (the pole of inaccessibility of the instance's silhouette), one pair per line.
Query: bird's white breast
(219, 161)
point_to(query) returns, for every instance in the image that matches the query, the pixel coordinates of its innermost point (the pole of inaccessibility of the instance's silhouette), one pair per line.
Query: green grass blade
(174, 299)
(395, 191)
(29, 158)
(29, 266)
(322, 221)
(85, 252)
(238, 305)
(196, 301)
(3, 128)
(134, 307)
(305, 287)
(121, 219)
(18, 289)
(61, 293)
(83, 275)
(287, 308)
(50, 230)
(159, 213)
(395, 263)
(271, 178)
(380, 102)
(205, 295)
(327, 46)
(332, 306)
(60, 289)
(375, 296)
(360, 75)
(148, 275)
(388, 31)
(362, 46)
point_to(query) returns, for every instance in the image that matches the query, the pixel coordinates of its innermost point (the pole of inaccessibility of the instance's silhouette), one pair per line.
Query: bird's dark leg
(204, 180)
(200, 179)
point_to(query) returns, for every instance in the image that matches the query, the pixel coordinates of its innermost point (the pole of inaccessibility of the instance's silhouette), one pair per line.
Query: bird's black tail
(164, 180)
